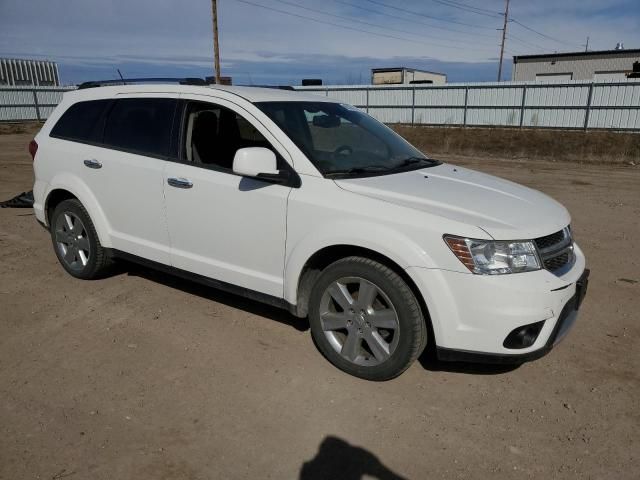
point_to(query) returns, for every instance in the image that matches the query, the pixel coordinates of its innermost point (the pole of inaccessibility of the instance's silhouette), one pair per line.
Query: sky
(280, 42)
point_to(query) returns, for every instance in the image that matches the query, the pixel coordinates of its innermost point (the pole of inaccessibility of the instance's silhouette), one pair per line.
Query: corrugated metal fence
(32, 103)
(573, 105)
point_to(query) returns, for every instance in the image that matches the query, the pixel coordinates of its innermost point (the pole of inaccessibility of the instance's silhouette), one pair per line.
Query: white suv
(311, 205)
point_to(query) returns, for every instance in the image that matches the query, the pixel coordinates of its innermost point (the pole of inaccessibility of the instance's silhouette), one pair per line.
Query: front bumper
(565, 321)
(472, 315)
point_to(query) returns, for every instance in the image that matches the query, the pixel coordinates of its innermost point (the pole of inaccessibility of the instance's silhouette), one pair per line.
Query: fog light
(524, 336)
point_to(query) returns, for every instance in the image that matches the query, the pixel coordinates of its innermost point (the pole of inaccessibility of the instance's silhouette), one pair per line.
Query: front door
(221, 225)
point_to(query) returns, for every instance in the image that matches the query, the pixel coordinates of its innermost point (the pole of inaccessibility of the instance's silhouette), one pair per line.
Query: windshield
(341, 140)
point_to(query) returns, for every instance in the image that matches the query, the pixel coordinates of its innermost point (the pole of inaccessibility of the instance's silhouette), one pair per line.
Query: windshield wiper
(357, 170)
(408, 162)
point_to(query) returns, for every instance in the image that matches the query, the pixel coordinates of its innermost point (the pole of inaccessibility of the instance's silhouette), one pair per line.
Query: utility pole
(216, 47)
(504, 36)
(586, 46)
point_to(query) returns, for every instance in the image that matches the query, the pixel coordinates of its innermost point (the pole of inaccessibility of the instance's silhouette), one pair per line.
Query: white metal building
(19, 72)
(403, 75)
(604, 65)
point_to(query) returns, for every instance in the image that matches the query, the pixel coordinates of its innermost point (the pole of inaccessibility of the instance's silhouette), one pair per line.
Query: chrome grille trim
(556, 251)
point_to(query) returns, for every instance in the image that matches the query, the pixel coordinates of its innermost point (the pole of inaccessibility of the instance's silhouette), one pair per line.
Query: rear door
(126, 173)
(222, 225)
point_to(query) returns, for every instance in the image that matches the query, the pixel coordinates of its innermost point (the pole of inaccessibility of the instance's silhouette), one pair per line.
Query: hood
(505, 210)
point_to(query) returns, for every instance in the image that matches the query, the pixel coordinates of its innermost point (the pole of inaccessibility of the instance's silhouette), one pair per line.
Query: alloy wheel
(72, 241)
(359, 321)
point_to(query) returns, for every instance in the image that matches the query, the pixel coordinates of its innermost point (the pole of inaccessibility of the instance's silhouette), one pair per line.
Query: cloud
(90, 37)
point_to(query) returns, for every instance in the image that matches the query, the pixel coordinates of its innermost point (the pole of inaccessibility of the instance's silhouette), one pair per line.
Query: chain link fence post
(588, 109)
(522, 105)
(413, 106)
(466, 98)
(35, 102)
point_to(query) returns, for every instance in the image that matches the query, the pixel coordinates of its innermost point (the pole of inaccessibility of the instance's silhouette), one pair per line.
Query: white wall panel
(439, 116)
(558, 118)
(440, 96)
(18, 103)
(390, 97)
(496, 96)
(391, 115)
(615, 119)
(553, 96)
(614, 105)
(616, 95)
(508, 117)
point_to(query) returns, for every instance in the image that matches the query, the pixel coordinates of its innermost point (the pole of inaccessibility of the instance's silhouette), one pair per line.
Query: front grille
(550, 240)
(556, 263)
(556, 250)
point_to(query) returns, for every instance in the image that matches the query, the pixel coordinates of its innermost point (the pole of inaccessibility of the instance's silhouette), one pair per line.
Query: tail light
(33, 148)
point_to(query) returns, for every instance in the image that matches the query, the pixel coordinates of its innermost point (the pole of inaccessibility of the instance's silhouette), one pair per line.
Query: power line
(462, 4)
(542, 34)
(413, 12)
(370, 24)
(512, 53)
(347, 18)
(511, 36)
(411, 20)
(325, 22)
(304, 17)
(468, 8)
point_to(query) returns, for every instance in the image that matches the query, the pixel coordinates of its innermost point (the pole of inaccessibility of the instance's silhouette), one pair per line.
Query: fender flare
(81, 191)
(387, 242)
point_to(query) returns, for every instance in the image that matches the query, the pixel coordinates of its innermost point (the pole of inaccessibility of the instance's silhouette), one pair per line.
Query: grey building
(16, 72)
(403, 75)
(604, 65)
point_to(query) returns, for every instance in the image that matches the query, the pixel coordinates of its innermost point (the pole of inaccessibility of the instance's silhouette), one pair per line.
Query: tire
(365, 319)
(76, 242)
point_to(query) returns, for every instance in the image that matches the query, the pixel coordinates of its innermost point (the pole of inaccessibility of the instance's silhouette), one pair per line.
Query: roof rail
(128, 81)
(277, 87)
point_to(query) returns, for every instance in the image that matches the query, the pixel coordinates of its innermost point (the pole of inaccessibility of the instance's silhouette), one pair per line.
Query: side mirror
(255, 162)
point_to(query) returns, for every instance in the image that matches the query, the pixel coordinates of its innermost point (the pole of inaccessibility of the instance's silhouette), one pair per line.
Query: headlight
(494, 257)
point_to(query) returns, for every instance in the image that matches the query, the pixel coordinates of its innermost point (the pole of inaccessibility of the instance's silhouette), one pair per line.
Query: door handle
(92, 163)
(179, 182)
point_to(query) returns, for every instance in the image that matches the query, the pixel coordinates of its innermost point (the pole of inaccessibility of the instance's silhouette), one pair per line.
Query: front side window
(213, 134)
(141, 125)
(80, 122)
(341, 140)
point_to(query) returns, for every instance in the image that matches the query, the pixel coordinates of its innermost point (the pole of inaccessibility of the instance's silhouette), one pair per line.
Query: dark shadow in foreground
(337, 459)
(210, 293)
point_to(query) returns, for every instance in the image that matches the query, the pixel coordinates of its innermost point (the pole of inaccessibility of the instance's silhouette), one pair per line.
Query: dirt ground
(145, 376)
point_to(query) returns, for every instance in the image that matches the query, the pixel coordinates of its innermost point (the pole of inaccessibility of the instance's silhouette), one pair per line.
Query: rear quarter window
(140, 125)
(81, 122)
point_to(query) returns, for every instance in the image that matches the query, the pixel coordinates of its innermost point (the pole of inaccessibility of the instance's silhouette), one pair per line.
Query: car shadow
(229, 299)
(337, 459)
(429, 361)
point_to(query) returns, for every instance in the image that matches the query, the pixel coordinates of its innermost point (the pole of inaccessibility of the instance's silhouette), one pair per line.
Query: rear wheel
(365, 319)
(76, 242)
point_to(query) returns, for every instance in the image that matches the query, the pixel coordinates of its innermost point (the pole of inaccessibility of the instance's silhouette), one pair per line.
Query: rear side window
(140, 125)
(81, 122)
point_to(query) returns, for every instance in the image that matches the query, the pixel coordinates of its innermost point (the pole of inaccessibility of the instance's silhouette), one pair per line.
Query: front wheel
(365, 319)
